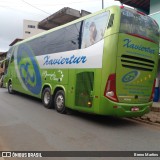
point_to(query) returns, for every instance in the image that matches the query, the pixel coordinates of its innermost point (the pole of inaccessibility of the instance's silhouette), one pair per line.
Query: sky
(13, 12)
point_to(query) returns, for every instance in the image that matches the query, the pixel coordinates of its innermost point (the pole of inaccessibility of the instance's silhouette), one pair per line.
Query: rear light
(121, 7)
(152, 95)
(110, 90)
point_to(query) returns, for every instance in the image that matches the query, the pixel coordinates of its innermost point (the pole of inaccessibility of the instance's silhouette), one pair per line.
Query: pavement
(153, 116)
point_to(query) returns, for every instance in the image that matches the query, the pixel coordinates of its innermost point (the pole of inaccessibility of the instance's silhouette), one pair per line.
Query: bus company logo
(67, 60)
(130, 76)
(129, 44)
(55, 76)
(28, 69)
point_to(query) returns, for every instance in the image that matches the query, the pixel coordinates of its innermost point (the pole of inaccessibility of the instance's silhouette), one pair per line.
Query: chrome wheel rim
(60, 101)
(47, 97)
(10, 87)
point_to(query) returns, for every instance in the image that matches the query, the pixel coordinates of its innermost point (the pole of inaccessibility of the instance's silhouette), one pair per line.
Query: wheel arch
(57, 88)
(53, 90)
(45, 86)
(9, 80)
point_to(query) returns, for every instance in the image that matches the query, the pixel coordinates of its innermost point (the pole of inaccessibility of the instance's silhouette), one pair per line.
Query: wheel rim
(60, 102)
(47, 98)
(10, 87)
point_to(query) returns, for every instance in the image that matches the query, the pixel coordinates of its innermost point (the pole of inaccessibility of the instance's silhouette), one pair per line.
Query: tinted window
(37, 45)
(65, 39)
(134, 23)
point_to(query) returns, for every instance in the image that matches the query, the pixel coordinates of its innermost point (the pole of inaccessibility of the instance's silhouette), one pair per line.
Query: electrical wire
(17, 10)
(36, 7)
(65, 3)
(45, 4)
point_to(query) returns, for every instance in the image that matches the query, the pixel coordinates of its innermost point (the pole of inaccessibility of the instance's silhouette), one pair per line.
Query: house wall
(30, 28)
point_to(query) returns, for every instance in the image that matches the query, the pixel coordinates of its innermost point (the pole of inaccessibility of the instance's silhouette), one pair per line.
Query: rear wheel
(59, 102)
(47, 98)
(10, 89)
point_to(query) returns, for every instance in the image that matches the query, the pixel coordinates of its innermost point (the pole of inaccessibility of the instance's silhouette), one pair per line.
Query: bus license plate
(134, 109)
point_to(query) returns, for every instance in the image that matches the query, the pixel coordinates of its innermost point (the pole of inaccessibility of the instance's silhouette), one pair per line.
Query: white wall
(30, 28)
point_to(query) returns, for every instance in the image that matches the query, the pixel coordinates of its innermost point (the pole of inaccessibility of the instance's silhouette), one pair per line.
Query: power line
(44, 4)
(17, 10)
(36, 7)
(58, 4)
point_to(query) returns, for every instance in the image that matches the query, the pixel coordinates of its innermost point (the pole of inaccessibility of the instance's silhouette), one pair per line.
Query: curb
(153, 116)
(155, 109)
(145, 121)
(150, 119)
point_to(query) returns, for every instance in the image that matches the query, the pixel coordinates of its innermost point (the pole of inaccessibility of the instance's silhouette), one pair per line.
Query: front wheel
(10, 89)
(59, 102)
(47, 98)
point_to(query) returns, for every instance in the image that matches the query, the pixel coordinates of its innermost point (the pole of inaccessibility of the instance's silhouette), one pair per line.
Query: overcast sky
(12, 13)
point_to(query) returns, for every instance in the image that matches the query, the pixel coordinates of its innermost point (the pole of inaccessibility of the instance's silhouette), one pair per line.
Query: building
(16, 41)
(2, 55)
(30, 28)
(61, 17)
(143, 5)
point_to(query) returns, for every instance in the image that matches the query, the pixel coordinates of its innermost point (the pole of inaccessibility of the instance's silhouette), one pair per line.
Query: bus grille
(137, 63)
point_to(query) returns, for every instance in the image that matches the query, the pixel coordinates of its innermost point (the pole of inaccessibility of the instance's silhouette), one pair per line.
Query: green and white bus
(104, 63)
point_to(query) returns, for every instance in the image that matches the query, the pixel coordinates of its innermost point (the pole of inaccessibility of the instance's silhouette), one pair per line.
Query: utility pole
(102, 4)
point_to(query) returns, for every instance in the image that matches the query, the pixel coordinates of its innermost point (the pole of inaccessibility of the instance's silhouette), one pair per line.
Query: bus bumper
(124, 110)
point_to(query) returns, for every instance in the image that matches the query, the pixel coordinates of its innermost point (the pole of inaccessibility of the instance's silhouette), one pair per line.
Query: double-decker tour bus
(104, 63)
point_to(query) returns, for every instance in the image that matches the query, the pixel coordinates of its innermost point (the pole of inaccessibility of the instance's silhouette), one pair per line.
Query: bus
(104, 63)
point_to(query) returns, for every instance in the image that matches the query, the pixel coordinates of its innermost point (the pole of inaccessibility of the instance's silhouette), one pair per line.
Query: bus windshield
(136, 23)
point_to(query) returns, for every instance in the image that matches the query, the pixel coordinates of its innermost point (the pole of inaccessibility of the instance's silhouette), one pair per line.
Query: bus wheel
(47, 98)
(59, 102)
(10, 89)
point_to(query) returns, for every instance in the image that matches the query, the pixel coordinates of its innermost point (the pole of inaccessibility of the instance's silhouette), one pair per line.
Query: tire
(47, 98)
(10, 89)
(59, 102)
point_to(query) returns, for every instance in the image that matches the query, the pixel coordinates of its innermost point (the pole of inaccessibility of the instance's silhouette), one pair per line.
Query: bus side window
(64, 39)
(110, 23)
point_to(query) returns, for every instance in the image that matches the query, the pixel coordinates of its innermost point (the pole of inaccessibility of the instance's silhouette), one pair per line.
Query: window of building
(27, 32)
(31, 26)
